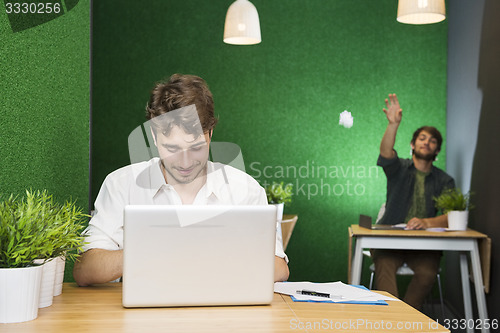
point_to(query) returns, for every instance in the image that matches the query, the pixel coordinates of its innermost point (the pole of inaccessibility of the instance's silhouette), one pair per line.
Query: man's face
(184, 156)
(425, 146)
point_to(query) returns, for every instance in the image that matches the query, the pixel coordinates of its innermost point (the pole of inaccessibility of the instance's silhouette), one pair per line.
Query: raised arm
(394, 113)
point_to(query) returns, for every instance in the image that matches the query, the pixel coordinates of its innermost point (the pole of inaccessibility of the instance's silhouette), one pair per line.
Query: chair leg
(438, 277)
(440, 294)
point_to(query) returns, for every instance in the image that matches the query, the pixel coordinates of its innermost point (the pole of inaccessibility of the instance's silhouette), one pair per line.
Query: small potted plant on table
(280, 195)
(456, 205)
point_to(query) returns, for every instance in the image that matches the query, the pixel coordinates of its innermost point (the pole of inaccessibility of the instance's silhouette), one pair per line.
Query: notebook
(366, 222)
(198, 255)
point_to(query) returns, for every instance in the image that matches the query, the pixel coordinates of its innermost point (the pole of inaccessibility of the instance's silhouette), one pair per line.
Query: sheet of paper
(338, 291)
(436, 229)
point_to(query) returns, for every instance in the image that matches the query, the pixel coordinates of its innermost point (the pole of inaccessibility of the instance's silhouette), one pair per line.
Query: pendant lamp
(421, 11)
(242, 25)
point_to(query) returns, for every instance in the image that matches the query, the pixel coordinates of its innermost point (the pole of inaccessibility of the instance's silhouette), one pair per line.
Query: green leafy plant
(37, 227)
(452, 199)
(279, 193)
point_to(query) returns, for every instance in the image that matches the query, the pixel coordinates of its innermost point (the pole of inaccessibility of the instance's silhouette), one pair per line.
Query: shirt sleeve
(450, 183)
(105, 229)
(390, 165)
(279, 252)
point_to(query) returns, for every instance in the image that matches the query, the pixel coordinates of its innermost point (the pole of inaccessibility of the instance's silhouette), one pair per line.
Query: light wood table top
(356, 230)
(396, 317)
(99, 309)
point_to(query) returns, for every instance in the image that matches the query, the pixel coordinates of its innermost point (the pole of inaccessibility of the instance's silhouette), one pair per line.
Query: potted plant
(279, 194)
(456, 205)
(32, 227)
(65, 222)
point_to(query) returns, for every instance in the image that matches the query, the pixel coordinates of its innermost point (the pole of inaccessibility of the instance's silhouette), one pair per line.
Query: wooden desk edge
(296, 307)
(356, 230)
(73, 297)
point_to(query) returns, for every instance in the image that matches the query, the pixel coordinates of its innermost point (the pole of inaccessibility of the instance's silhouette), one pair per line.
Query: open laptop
(365, 221)
(198, 255)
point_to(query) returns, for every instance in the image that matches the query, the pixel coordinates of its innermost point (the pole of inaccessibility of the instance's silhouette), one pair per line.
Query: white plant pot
(47, 284)
(20, 293)
(457, 220)
(58, 282)
(279, 211)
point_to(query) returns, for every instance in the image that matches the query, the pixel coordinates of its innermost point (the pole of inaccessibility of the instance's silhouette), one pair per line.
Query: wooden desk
(396, 317)
(99, 309)
(465, 242)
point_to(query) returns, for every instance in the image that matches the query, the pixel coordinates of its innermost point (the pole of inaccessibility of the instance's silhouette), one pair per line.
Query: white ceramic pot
(457, 220)
(58, 282)
(47, 284)
(20, 293)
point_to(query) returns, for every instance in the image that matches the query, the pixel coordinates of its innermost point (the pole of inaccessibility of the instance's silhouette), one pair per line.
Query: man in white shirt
(182, 120)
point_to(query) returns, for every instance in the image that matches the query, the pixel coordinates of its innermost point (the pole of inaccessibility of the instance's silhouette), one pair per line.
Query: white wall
(463, 113)
(473, 129)
(464, 96)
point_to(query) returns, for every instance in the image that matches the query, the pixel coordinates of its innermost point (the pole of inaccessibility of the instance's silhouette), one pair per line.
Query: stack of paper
(331, 292)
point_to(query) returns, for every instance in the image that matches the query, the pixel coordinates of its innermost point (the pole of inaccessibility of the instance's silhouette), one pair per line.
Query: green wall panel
(44, 103)
(280, 100)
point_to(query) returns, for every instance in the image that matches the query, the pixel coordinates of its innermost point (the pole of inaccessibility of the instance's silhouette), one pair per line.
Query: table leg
(357, 262)
(479, 286)
(464, 270)
(349, 256)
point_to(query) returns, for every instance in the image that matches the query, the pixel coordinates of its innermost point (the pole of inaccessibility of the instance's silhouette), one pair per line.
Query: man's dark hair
(181, 91)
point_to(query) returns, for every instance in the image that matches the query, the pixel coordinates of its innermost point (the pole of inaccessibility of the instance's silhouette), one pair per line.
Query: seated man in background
(181, 115)
(411, 186)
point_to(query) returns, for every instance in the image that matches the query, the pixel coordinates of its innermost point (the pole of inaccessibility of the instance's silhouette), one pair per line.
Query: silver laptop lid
(198, 255)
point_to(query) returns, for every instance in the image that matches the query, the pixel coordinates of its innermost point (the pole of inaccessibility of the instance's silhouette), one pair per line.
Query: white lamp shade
(421, 11)
(242, 25)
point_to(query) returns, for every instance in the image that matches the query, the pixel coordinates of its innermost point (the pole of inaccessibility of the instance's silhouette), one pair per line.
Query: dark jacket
(400, 175)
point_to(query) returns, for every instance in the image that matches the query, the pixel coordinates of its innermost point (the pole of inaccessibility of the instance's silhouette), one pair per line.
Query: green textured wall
(280, 100)
(44, 102)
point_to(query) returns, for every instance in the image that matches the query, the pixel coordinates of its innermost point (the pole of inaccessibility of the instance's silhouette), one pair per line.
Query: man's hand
(281, 271)
(440, 221)
(393, 112)
(416, 223)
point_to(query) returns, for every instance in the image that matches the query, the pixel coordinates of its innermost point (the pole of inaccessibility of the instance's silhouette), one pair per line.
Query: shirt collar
(216, 179)
(157, 180)
(412, 166)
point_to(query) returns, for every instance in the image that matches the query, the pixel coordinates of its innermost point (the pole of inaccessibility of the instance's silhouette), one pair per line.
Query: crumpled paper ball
(346, 119)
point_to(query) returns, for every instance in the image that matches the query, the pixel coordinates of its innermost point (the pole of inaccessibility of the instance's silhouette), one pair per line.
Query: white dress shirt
(143, 184)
